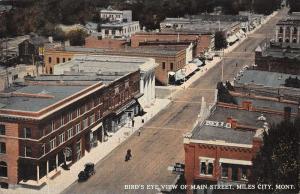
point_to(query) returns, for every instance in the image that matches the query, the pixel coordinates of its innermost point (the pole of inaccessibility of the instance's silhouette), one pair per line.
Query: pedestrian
(143, 121)
(132, 122)
(128, 155)
(139, 132)
(236, 65)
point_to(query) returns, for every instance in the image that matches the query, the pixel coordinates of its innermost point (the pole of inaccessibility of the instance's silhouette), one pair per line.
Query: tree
(278, 160)
(77, 37)
(224, 95)
(220, 40)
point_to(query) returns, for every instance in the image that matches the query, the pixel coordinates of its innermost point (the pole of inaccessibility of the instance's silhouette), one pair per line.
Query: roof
(230, 135)
(268, 104)
(34, 104)
(265, 78)
(290, 52)
(129, 51)
(118, 24)
(105, 65)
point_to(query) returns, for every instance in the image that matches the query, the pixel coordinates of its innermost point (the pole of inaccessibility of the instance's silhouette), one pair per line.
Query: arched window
(280, 40)
(3, 169)
(294, 40)
(287, 40)
(280, 30)
(295, 30)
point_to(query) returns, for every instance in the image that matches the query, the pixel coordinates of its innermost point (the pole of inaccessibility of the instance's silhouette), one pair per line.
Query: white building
(119, 29)
(111, 65)
(288, 30)
(12, 74)
(116, 15)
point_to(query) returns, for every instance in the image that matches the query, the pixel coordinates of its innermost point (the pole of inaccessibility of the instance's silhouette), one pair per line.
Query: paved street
(161, 140)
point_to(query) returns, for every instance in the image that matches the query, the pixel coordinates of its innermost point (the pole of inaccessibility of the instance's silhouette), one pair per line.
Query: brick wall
(94, 42)
(12, 152)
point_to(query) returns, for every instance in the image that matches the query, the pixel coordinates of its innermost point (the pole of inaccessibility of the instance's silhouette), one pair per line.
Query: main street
(161, 142)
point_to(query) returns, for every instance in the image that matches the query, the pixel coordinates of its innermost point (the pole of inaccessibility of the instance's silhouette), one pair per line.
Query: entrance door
(234, 176)
(78, 150)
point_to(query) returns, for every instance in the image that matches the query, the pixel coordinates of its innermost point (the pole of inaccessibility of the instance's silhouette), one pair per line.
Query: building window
(27, 151)
(52, 143)
(85, 123)
(171, 66)
(280, 40)
(3, 169)
(77, 128)
(69, 116)
(52, 126)
(163, 65)
(2, 129)
(62, 122)
(113, 32)
(70, 133)
(92, 119)
(244, 174)
(295, 30)
(50, 60)
(64, 60)
(77, 112)
(106, 32)
(280, 30)
(206, 168)
(224, 171)
(69, 59)
(2, 148)
(287, 40)
(57, 60)
(294, 40)
(27, 132)
(43, 149)
(61, 138)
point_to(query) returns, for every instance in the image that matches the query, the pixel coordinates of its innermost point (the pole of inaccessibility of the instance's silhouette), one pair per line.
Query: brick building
(201, 43)
(98, 42)
(288, 29)
(168, 58)
(220, 149)
(276, 57)
(52, 120)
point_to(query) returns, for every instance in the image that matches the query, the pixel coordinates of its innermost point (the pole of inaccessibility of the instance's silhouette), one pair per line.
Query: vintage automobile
(88, 171)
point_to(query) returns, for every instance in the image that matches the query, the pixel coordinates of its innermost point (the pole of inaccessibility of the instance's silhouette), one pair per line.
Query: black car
(88, 171)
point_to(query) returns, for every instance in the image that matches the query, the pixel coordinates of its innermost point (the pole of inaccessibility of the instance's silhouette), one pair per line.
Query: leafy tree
(292, 82)
(224, 95)
(278, 160)
(77, 37)
(220, 40)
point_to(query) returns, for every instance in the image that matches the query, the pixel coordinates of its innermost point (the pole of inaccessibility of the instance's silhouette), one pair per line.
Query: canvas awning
(234, 161)
(185, 71)
(96, 127)
(198, 62)
(123, 108)
(232, 39)
(142, 103)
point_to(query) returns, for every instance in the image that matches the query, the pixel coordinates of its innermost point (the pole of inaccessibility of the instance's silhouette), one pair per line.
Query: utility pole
(222, 76)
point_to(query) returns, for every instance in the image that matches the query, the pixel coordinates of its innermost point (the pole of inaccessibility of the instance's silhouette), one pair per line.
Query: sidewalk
(66, 178)
(216, 60)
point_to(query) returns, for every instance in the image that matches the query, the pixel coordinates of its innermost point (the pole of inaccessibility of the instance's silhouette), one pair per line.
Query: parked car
(88, 171)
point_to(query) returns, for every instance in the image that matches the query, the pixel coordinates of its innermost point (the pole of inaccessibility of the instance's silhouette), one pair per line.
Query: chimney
(287, 113)
(247, 105)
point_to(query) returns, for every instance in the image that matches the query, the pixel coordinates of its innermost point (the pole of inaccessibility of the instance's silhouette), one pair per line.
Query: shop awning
(185, 71)
(96, 127)
(190, 68)
(197, 62)
(233, 161)
(122, 109)
(232, 39)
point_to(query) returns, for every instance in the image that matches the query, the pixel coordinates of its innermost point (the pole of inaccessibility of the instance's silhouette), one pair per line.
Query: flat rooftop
(265, 78)
(289, 53)
(230, 135)
(128, 51)
(118, 24)
(34, 104)
(104, 65)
